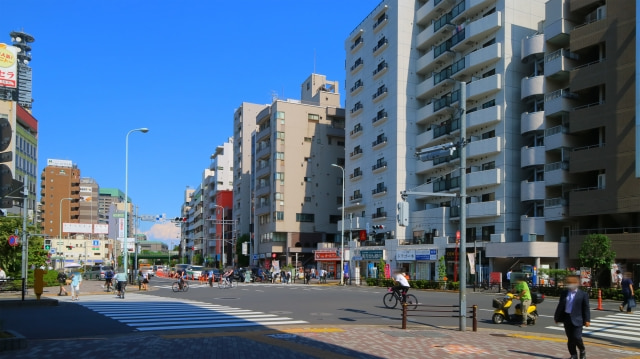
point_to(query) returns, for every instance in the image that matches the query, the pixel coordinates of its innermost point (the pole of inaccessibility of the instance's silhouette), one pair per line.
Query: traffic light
(179, 220)
(362, 235)
(7, 184)
(378, 227)
(47, 244)
(403, 213)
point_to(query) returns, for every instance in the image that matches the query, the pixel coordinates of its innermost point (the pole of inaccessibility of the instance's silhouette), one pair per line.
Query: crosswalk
(621, 326)
(149, 313)
(191, 286)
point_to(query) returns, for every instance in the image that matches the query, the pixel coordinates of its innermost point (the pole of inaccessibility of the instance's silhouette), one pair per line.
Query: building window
(487, 231)
(307, 139)
(489, 104)
(280, 135)
(334, 218)
(278, 176)
(305, 217)
(307, 199)
(313, 117)
(339, 200)
(278, 196)
(280, 156)
(307, 179)
(279, 216)
(280, 115)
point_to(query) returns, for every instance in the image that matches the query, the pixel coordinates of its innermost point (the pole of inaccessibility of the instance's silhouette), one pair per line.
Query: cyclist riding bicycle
(181, 279)
(108, 279)
(228, 276)
(121, 279)
(402, 285)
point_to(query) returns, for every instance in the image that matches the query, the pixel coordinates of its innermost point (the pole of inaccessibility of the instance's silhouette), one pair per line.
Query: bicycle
(224, 284)
(392, 299)
(109, 286)
(122, 286)
(180, 288)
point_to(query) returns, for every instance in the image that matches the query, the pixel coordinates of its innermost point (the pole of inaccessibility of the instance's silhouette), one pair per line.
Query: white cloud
(163, 231)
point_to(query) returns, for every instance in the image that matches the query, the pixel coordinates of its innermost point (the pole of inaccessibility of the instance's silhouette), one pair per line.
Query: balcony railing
(381, 20)
(380, 44)
(358, 106)
(446, 184)
(358, 85)
(446, 128)
(356, 129)
(355, 174)
(379, 190)
(381, 91)
(563, 165)
(381, 67)
(380, 116)
(379, 165)
(380, 140)
(355, 197)
(356, 152)
(360, 41)
(379, 215)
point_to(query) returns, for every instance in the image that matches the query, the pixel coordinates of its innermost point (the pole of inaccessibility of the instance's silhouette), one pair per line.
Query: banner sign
(472, 262)
(327, 255)
(372, 254)
(426, 254)
(8, 66)
(76, 227)
(101, 229)
(405, 255)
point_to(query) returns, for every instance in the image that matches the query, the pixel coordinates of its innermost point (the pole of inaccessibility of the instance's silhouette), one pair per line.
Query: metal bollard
(475, 318)
(404, 315)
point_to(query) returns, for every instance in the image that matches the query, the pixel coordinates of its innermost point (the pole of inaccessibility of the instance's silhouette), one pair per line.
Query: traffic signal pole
(25, 239)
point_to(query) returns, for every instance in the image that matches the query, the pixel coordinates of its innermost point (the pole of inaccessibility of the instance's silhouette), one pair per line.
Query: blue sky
(180, 68)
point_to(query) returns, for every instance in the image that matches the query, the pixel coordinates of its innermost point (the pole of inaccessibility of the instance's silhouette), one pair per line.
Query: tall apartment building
(579, 144)
(297, 191)
(185, 246)
(107, 197)
(405, 64)
(59, 196)
(244, 124)
(220, 219)
(89, 206)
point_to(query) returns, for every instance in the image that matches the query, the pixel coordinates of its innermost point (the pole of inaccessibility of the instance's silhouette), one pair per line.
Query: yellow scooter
(504, 303)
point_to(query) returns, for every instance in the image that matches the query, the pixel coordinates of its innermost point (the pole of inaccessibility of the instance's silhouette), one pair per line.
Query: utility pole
(25, 239)
(463, 207)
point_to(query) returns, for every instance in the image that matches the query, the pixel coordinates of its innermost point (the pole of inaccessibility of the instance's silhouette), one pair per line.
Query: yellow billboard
(8, 66)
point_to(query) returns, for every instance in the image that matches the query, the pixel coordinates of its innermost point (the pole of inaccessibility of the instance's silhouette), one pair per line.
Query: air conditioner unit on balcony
(601, 181)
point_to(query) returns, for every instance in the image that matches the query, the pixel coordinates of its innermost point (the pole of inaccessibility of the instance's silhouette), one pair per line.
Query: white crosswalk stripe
(621, 326)
(148, 313)
(191, 286)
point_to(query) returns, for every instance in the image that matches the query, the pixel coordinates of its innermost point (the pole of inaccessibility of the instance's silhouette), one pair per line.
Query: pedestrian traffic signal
(47, 244)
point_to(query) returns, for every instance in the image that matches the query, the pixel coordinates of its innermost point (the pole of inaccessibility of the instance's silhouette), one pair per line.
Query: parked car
(149, 270)
(194, 272)
(96, 272)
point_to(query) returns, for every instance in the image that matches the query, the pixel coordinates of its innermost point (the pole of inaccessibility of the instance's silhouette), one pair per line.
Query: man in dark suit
(573, 310)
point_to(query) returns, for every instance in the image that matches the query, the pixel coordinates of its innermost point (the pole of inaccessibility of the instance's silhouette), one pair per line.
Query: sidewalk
(336, 342)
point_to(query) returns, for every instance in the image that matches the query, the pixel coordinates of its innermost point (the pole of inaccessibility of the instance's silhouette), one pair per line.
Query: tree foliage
(596, 253)
(442, 268)
(11, 257)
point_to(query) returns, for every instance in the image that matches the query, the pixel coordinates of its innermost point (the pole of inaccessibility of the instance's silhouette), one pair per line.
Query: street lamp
(342, 229)
(125, 256)
(60, 215)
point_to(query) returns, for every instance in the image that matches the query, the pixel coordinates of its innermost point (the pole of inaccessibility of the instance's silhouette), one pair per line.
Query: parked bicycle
(180, 287)
(392, 299)
(225, 283)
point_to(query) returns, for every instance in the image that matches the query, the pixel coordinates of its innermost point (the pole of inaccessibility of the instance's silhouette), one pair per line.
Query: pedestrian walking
(145, 281)
(307, 277)
(573, 310)
(62, 281)
(76, 278)
(627, 293)
(618, 279)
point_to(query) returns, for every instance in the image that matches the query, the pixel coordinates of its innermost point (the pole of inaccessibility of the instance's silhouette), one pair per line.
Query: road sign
(14, 241)
(254, 257)
(52, 251)
(60, 243)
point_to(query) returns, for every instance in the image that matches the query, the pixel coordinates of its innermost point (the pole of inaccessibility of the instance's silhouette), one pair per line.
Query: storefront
(329, 260)
(426, 264)
(369, 262)
(406, 262)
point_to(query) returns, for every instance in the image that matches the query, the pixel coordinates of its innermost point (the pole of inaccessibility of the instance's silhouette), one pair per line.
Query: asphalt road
(336, 305)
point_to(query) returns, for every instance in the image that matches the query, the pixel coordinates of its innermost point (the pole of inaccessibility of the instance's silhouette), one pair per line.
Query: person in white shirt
(3, 275)
(402, 284)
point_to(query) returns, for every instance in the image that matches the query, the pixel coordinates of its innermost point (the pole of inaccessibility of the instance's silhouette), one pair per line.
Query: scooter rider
(522, 292)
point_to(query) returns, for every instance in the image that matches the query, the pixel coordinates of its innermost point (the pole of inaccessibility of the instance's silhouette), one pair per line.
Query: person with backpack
(62, 280)
(108, 279)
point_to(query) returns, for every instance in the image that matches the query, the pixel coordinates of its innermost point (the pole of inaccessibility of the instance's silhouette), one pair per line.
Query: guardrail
(438, 311)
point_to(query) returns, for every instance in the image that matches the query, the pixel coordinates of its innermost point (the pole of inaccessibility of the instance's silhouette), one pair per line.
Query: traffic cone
(599, 300)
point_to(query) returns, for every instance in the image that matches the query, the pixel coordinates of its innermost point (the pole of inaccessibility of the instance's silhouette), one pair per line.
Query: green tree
(11, 257)
(198, 259)
(596, 253)
(243, 260)
(381, 266)
(442, 268)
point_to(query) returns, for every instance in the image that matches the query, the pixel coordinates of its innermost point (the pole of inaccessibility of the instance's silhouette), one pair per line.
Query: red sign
(363, 235)
(457, 235)
(331, 255)
(13, 241)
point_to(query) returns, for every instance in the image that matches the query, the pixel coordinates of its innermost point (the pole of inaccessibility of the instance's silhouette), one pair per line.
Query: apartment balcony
(263, 152)
(380, 94)
(558, 64)
(428, 88)
(484, 87)
(424, 139)
(557, 173)
(262, 190)
(558, 102)
(532, 225)
(557, 137)
(556, 209)
(484, 117)
(357, 153)
(576, 5)
(484, 147)
(588, 75)
(381, 69)
(356, 67)
(382, 21)
(379, 142)
(484, 178)
(532, 156)
(582, 159)
(423, 168)
(355, 89)
(357, 45)
(432, 10)
(531, 86)
(477, 60)
(264, 133)
(476, 31)
(585, 202)
(357, 131)
(531, 121)
(532, 45)
(355, 223)
(478, 210)
(472, 7)
(356, 109)
(557, 32)
(355, 198)
(379, 192)
(355, 176)
(587, 34)
(425, 187)
(588, 117)
(428, 113)
(532, 191)
(433, 34)
(427, 62)
(379, 167)
(262, 171)
(379, 215)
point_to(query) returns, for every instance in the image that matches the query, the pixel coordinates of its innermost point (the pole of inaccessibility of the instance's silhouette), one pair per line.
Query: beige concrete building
(59, 183)
(297, 191)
